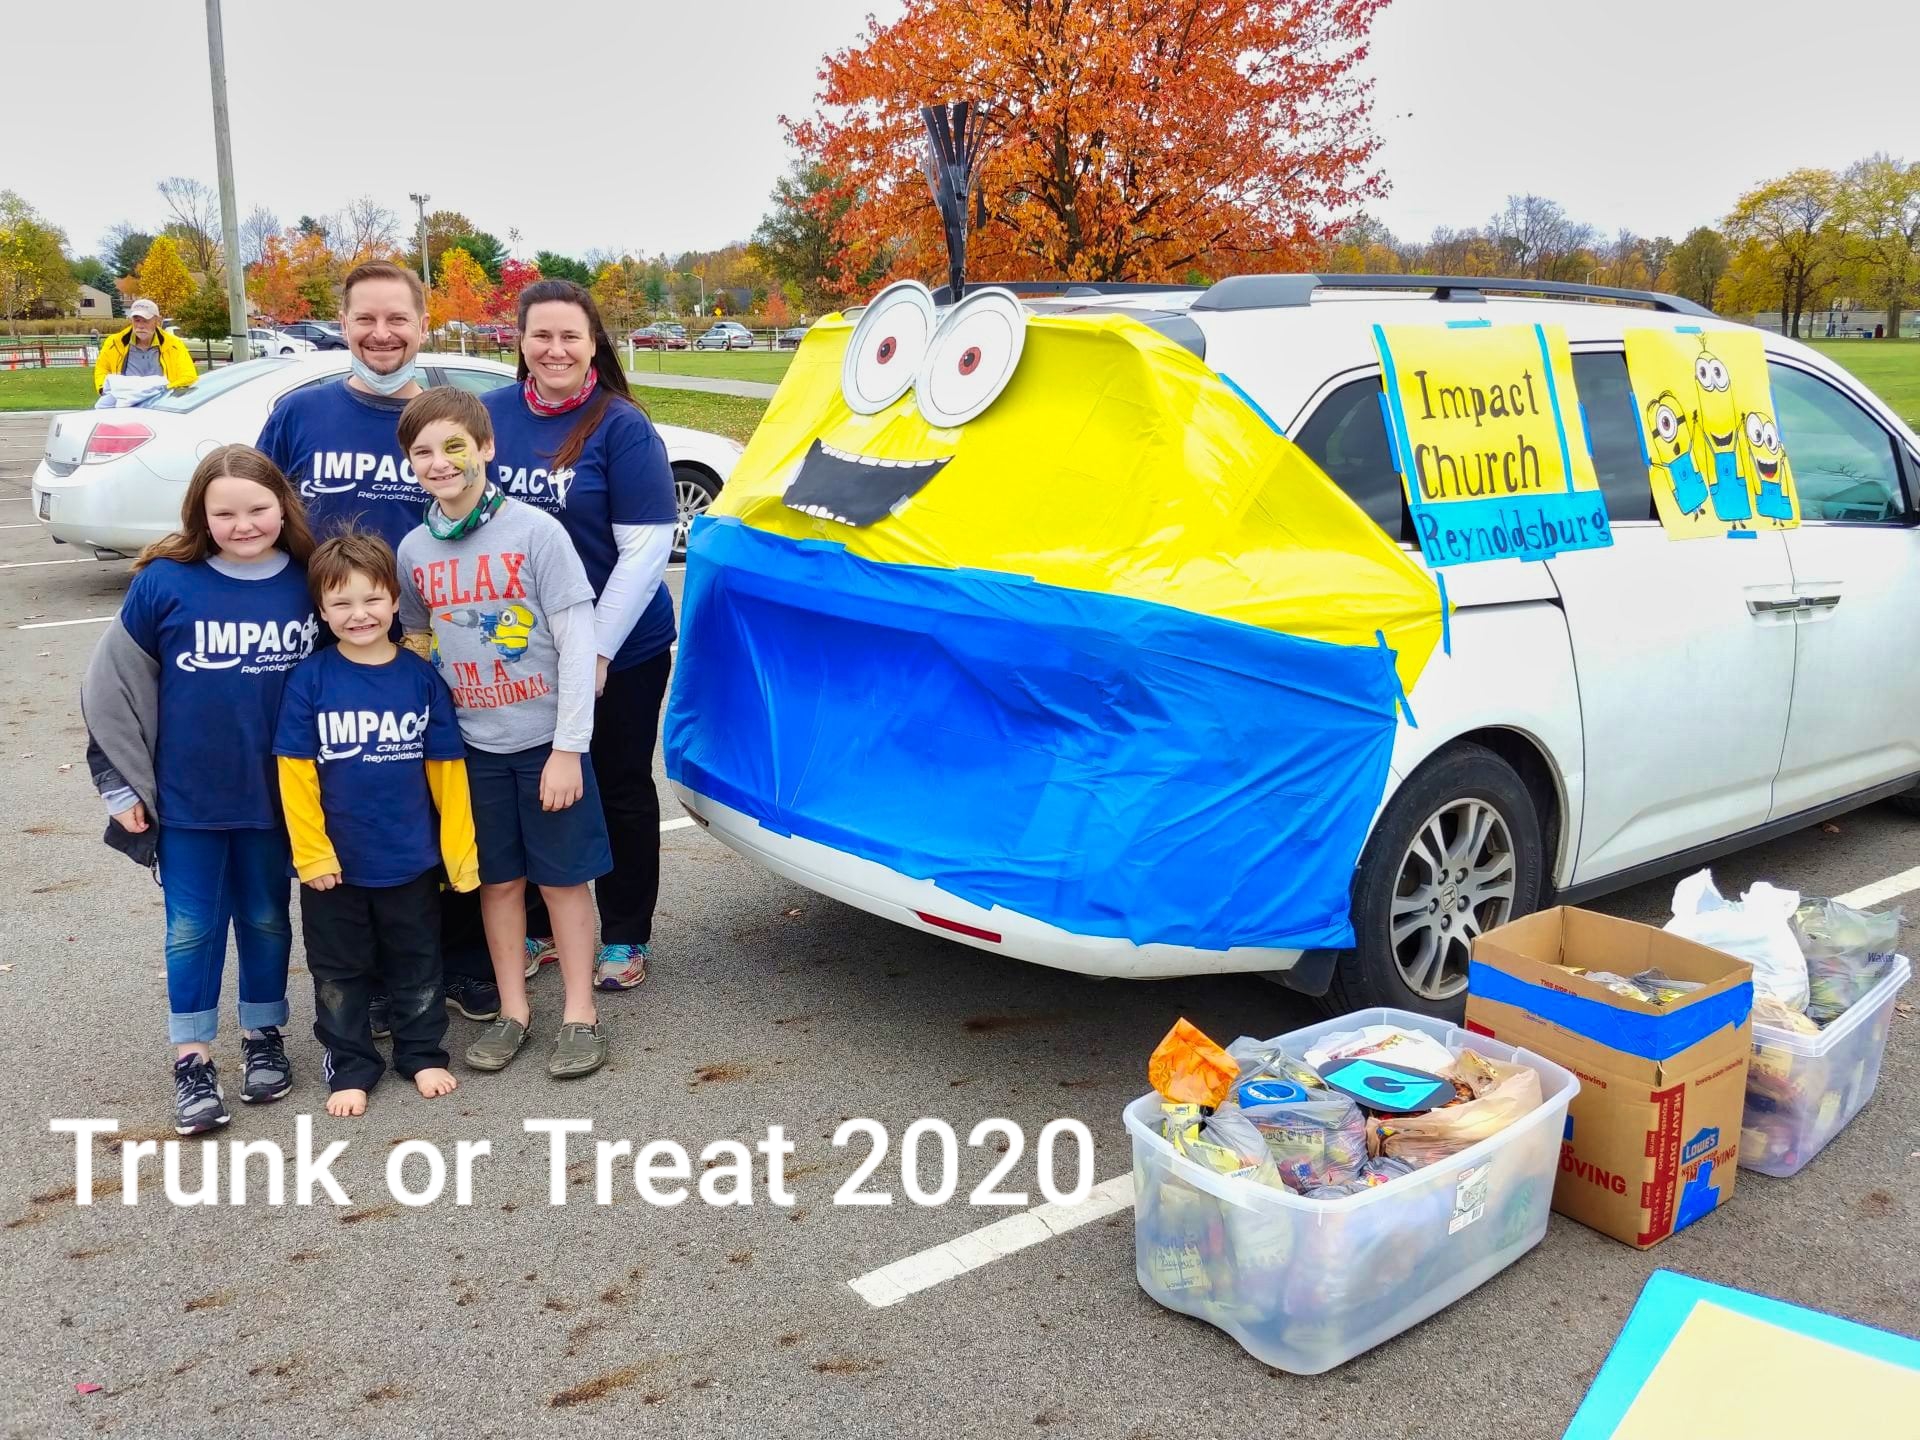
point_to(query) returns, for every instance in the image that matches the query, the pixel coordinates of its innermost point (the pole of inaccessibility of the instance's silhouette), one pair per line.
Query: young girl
(180, 700)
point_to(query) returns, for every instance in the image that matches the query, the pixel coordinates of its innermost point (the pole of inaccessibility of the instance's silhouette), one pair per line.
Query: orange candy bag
(1189, 1069)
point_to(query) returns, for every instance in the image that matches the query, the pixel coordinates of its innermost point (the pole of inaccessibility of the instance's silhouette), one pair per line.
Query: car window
(475, 382)
(1844, 464)
(215, 382)
(1347, 438)
(1613, 434)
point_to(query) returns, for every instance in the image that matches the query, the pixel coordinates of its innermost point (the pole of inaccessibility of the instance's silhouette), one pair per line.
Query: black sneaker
(198, 1102)
(475, 999)
(269, 1074)
(380, 1016)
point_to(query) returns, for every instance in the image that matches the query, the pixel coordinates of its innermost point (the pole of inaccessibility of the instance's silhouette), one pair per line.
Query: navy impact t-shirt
(226, 648)
(341, 449)
(622, 477)
(370, 729)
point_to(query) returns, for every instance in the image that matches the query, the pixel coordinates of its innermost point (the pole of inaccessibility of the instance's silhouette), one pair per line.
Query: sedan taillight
(113, 438)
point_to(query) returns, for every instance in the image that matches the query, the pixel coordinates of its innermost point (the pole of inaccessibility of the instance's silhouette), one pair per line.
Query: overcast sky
(642, 126)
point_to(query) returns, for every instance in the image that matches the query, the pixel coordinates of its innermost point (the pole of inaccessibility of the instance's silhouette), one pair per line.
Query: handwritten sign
(1489, 438)
(1709, 434)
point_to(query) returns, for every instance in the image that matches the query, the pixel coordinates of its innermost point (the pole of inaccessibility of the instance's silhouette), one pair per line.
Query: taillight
(113, 438)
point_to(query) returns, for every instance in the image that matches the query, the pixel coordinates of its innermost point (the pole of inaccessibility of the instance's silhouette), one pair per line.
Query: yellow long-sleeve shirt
(313, 852)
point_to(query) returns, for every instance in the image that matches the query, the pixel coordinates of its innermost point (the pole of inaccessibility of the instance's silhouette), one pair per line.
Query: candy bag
(1502, 1094)
(1188, 1068)
(1847, 952)
(1318, 1141)
(1372, 1175)
(1755, 929)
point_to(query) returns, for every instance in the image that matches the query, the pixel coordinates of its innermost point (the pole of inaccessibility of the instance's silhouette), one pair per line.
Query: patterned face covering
(561, 407)
(441, 528)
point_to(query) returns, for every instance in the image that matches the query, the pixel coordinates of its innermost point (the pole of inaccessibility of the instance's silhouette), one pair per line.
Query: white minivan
(1603, 716)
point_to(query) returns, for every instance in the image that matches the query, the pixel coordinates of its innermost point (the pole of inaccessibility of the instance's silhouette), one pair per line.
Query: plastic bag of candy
(1502, 1093)
(1847, 952)
(1321, 1140)
(1653, 986)
(1188, 1068)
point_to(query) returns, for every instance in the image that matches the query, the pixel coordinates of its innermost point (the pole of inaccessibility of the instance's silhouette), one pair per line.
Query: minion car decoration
(1026, 624)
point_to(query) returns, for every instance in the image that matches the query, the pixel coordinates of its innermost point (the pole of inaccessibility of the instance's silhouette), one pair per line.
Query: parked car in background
(725, 335)
(505, 336)
(113, 480)
(790, 339)
(263, 341)
(657, 337)
(324, 334)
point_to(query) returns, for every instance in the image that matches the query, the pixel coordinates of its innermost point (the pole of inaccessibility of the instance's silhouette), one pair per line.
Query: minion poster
(1707, 428)
(1489, 437)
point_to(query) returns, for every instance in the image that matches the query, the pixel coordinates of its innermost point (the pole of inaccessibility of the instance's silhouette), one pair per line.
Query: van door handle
(1762, 605)
(1819, 602)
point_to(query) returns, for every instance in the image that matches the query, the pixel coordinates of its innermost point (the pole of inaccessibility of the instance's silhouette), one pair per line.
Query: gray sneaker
(580, 1050)
(497, 1045)
(199, 1104)
(269, 1073)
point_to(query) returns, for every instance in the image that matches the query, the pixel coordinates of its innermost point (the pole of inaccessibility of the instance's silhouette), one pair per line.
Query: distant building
(93, 304)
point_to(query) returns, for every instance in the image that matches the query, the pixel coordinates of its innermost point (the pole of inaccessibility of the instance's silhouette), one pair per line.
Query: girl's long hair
(613, 387)
(193, 541)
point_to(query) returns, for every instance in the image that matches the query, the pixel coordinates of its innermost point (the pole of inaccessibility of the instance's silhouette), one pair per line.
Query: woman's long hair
(194, 542)
(606, 363)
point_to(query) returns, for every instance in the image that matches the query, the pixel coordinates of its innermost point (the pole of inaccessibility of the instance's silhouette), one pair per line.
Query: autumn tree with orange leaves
(1127, 139)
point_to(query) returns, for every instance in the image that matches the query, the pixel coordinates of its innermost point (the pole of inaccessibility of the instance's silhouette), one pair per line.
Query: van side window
(1844, 464)
(1613, 434)
(1347, 438)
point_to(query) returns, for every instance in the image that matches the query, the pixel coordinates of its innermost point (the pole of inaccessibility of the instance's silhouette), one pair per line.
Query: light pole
(229, 208)
(426, 271)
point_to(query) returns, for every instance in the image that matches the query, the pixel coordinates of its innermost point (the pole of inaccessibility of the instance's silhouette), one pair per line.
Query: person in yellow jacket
(373, 782)
(143, 348)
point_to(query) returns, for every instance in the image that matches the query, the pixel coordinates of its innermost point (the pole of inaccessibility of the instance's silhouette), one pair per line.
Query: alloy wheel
(1456, 881)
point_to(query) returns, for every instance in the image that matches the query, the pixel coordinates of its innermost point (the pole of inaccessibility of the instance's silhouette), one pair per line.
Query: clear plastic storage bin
(1803, 1089)
(1305, 1285)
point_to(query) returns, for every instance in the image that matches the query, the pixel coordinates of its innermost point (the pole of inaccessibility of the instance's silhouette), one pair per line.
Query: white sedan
(114, 479)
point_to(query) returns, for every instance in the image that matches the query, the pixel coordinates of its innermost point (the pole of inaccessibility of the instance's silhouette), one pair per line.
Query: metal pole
(229, 208)
(426, 271)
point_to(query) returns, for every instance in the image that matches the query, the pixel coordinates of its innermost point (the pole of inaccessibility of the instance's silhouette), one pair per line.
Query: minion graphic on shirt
(507, 629)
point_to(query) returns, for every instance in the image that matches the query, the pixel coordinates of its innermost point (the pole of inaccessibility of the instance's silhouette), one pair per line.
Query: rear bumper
(120, 506)
(923, 905)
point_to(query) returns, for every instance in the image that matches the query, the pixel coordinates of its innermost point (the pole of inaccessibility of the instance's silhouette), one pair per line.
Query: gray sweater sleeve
(120, 705)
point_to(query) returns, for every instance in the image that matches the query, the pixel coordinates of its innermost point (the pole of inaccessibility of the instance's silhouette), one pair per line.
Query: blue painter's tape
(1665, 1304)
(1393, 442)
(1640, 429)
(1743, 534)
(1688, 330)
(1651, 1037)
(1252, 404)
(1553, 403)
(1469, 324)
(1399, 691)
(1446, 615)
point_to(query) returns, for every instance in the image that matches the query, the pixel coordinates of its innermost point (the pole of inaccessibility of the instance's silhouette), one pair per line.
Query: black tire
(1447, 790)
(689, 482)
(1909, 801)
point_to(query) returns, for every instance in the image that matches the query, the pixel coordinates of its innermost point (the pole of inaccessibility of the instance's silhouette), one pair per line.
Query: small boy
(370, 750)
(497, 595)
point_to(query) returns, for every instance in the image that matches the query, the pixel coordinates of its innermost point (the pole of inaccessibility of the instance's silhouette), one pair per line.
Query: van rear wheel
(1456, 852)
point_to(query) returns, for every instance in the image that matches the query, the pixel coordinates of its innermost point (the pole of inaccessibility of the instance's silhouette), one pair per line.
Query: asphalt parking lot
(767, 1005)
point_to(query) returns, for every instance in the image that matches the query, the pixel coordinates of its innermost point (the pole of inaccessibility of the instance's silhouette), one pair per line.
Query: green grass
(763, 365)
(62, 388)
(730, 415)
(1889, 368)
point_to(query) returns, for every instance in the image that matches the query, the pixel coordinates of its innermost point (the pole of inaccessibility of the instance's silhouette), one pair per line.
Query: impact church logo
(258, 649)
(338, 472)
(345, 733)
(546, 488)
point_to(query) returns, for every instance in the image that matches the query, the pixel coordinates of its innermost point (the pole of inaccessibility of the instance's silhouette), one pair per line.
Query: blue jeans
(213, 878)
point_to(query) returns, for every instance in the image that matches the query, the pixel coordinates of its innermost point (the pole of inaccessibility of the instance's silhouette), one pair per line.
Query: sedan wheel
(693, 492)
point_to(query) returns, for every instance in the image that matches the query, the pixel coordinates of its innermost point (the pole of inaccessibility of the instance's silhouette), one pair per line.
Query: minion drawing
(1760, 434)
(1674, 440)
(1719, 420)
(507, 629)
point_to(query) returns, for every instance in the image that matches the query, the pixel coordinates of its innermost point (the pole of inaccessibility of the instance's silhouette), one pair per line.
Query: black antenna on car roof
(954, 140)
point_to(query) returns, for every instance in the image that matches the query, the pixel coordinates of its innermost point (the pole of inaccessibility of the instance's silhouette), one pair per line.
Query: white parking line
(56, 624)
(1882, 890)
(891, 1284)
(34, 564)
(29, 525)
(682, 823)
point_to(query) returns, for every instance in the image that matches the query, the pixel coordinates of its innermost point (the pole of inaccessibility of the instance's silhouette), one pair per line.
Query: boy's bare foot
(347, 1102)
(434, 1083)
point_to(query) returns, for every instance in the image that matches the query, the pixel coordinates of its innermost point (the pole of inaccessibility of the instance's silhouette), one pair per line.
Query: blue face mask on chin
(383, 384)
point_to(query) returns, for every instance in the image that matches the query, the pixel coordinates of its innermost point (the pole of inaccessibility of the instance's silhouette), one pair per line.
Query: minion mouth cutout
(1769, 469)
(1721, 442)
(856, 490)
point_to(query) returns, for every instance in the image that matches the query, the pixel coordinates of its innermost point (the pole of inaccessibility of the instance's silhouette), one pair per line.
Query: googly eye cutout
(1703, 373)
(1666, 422)
(1756, 432)
(1770, 436)
(971, 358)
(888, 344)
(1720, 377)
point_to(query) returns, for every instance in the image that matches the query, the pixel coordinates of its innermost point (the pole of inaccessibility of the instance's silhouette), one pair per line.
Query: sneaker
(198, 1101)
(580, 1050)
(380, 1015)
(269, 1074)
(497, 1045)
(620, 967)
(540, 952)
(475, 999)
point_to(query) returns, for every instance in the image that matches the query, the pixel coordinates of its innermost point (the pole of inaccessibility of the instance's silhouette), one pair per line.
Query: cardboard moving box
(1653, 1137)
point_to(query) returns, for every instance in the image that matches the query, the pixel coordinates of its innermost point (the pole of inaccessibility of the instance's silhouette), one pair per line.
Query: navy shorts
(518, 839)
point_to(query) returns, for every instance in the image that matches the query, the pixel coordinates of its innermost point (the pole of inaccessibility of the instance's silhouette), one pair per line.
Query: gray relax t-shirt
(489, 597)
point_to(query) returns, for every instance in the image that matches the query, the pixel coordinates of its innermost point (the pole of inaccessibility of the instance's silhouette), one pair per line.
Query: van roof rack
(1263, 292)
(1066, 289)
